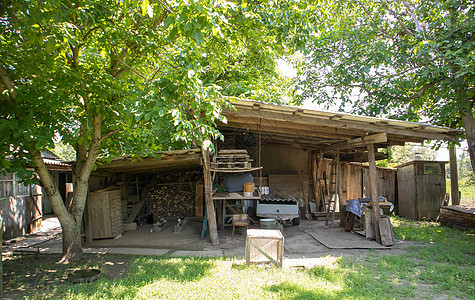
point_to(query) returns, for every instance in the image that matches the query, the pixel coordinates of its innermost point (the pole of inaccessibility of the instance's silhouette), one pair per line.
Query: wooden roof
(166, 160)
(329, 131)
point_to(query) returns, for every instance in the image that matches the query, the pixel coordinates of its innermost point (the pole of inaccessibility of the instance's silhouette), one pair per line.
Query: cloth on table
(355, 205)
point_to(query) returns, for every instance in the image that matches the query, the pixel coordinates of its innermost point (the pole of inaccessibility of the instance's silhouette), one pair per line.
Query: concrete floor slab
(205, 253)
(312, 239)
(138, 251)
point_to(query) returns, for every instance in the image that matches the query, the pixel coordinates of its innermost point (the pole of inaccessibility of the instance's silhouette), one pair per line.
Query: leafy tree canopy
(119, 77)
(153, 70)
(404, 59)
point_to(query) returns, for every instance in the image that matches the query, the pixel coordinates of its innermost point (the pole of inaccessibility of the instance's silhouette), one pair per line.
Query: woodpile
(458, 216)
(171, 195)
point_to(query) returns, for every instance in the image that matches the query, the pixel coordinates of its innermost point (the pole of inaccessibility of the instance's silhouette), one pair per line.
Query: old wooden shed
(421, 189)
(292, 149)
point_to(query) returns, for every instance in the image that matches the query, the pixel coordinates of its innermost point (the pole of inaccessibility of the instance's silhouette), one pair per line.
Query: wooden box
(264, 245)
(104, 214)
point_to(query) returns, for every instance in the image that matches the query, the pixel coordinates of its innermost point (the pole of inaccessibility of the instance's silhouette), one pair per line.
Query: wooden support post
(312, 185)
(373, 182)
(339, 190)
(1, 256)
(213, 229)
(319, 195)
(339, 184)
(314, 168)
(454, 182)
(199, 200)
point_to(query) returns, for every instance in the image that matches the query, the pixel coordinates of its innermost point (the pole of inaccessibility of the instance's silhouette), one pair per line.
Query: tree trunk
(71, 230)
(213, 228)
(454, 181)
(72, 243)
(71, 219)
(469, 124)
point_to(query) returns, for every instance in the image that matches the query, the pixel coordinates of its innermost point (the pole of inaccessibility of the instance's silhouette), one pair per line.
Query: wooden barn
(309, 155)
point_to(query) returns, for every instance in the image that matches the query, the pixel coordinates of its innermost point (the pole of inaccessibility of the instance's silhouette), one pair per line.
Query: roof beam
(343, 123)
(379, 138)
(277, 126)
(282, 132)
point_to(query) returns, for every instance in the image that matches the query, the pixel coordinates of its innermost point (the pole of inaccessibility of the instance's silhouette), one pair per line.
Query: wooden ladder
(333, 187)
(135, 211)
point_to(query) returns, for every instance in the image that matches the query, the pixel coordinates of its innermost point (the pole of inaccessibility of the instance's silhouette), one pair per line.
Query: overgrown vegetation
(441, 264)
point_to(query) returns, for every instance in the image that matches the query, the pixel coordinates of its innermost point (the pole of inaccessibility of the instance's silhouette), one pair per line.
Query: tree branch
(413, 15)
(132, 69)
(421, 92)
(49, 185)
(7, 83)
(109, 134)
(90, 31)
(82, 177)
(396, 15)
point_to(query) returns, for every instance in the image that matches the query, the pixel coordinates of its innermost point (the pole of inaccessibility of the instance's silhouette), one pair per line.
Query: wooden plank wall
(355, 179)
(386, 184)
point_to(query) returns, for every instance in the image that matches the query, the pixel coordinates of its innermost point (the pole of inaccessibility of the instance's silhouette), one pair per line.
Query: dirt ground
(301, 249)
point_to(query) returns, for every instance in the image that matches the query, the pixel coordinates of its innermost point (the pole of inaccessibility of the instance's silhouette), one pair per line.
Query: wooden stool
(242, 220)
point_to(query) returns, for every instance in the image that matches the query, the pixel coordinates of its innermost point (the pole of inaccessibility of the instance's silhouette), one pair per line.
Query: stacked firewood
(171, 195)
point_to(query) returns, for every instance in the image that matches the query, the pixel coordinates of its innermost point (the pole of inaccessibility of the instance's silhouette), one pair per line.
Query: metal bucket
(268, 224)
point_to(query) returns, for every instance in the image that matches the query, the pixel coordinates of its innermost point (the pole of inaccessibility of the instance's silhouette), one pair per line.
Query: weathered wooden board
(337, 238)
(104, 213)
(293, 185)
(386, 231)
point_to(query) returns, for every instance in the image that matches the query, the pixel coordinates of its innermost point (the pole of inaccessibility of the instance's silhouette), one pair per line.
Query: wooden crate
(264, 245)
(104, 213)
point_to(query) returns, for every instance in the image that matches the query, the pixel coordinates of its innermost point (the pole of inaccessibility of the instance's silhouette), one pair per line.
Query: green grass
(440, 264)
(467, 191)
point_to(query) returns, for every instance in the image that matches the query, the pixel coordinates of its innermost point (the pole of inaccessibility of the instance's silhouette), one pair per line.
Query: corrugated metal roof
(49, 155)
(55, 162)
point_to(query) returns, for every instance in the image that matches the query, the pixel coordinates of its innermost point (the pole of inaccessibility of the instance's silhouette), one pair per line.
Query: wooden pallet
(227, 152)
(230, 165)
(231, 160)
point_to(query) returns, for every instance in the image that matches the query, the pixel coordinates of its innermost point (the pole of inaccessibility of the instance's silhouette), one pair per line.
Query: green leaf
(103, 53)
(198, 36)
(172, 34)
(169, 20)
(6, 163)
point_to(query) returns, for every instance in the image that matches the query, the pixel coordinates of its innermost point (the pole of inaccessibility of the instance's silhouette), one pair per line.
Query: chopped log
(171, 195)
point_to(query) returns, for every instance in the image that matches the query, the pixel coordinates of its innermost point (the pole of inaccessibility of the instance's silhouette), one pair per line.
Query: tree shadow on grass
(41, 277)
(342, 282)
(177, 269)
